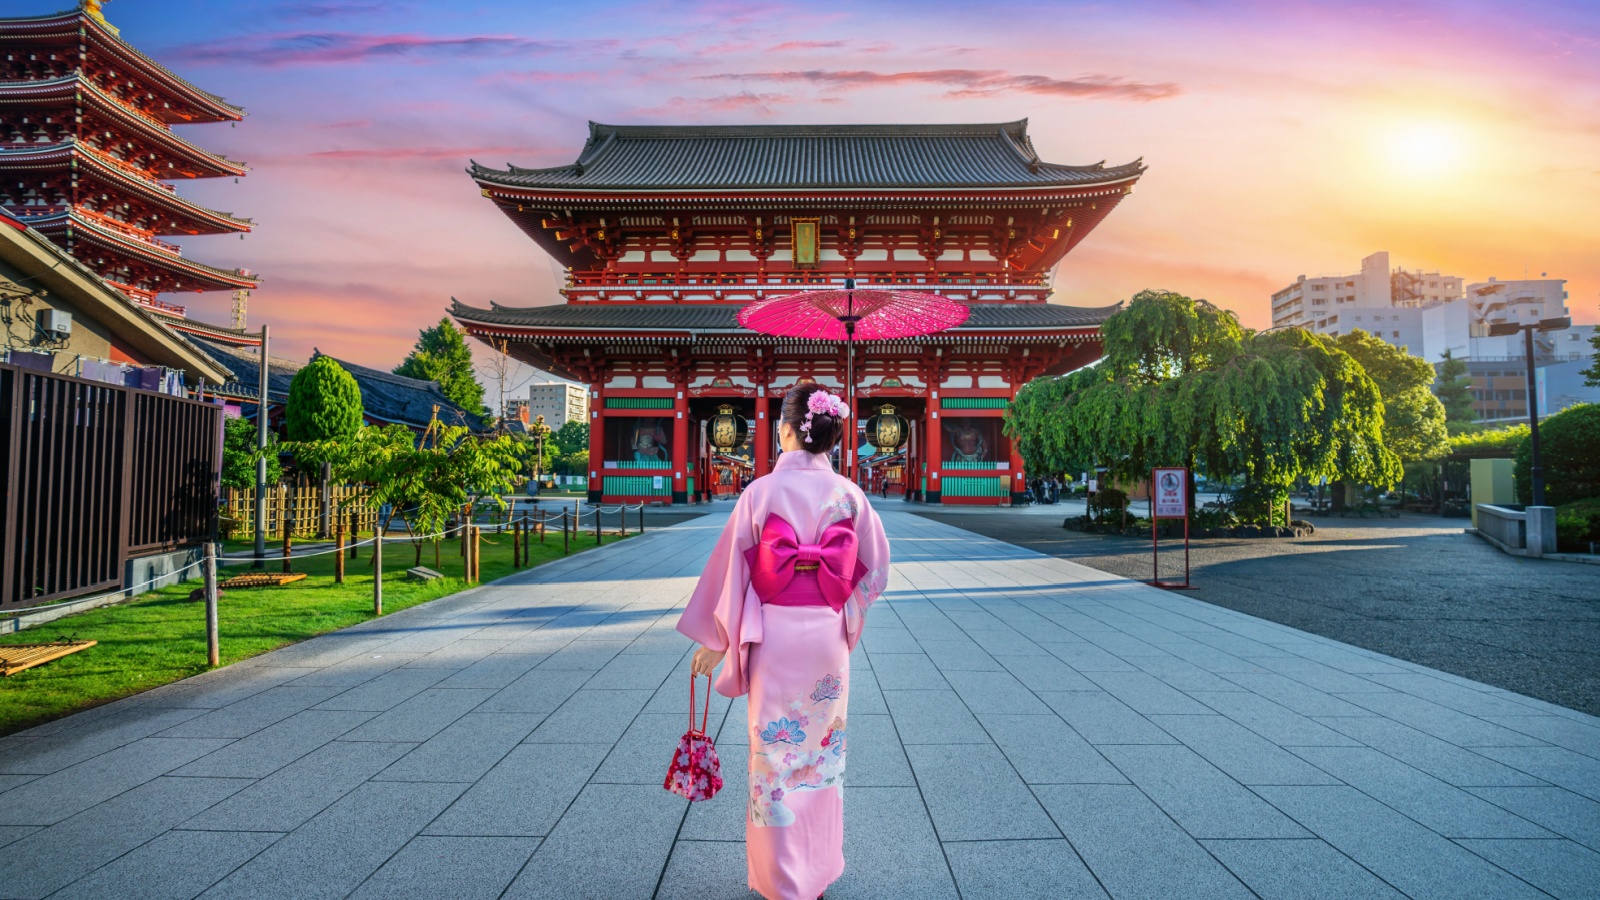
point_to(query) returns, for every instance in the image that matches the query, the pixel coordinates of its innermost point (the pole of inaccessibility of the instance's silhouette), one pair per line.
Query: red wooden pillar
(1019, 481)
(933, 442)
(597, 443)
(763, 435)
(680, 446)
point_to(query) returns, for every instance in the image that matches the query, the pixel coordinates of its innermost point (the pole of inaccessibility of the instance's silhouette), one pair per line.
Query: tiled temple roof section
(640, 157)
(721, 316)
(384, 396)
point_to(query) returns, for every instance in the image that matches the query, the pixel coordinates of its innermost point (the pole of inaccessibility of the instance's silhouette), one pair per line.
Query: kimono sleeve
(872, 551)
(719, 615)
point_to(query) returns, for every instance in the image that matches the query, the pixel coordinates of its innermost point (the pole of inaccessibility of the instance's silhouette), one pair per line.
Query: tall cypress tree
(1454, 389)
(442, 355)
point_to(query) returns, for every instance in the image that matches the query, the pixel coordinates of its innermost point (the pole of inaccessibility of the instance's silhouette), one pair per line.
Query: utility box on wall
(1492, 483)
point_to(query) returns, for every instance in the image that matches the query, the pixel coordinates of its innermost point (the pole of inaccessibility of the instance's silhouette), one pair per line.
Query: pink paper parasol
(848, 314)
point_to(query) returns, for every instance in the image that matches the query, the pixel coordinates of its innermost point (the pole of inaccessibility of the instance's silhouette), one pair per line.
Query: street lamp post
(1535, 464)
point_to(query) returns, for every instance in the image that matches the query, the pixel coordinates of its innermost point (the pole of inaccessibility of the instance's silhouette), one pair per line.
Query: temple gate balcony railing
(641, 286)
(122, 228)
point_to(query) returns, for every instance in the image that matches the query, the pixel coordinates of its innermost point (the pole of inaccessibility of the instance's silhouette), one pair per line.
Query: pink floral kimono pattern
(794, 663)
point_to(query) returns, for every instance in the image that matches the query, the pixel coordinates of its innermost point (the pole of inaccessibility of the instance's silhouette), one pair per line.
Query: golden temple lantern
(887, 430)
(727, 429)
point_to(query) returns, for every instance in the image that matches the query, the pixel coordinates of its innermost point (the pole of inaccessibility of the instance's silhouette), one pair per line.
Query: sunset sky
(1282, 138)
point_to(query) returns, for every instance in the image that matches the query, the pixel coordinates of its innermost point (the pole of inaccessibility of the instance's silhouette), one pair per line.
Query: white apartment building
(559, 402)
(1376, 300)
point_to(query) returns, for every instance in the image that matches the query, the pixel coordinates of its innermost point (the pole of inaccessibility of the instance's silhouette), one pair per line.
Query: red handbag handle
(704, 716)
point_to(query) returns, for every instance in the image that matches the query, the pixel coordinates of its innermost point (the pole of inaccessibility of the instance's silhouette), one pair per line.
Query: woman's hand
(705, 660)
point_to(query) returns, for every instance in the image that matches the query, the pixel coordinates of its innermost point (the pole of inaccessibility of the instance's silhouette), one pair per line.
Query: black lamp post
(1535, 467)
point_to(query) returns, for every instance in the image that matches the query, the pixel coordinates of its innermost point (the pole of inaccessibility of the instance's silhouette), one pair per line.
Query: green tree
(1569, 449)
(324, 402)
(1591, 375)
(239, 455)
(1181, 382)
(1413, 418)
(1453, 387)
(572, 436)
(441, 354)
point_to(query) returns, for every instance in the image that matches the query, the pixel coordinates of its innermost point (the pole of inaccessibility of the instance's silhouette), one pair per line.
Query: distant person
(809, 546)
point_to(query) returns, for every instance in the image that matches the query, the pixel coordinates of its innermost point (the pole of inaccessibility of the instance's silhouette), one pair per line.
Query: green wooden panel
(639, 464)
(638, 403)
(971, 486)
(953, 464)
(635, 486)
(974, 403)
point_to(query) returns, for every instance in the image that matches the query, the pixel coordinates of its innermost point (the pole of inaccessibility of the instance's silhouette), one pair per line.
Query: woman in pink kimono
(781, 605)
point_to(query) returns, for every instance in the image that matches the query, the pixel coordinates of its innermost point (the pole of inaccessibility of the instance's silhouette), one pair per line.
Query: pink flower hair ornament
(824, 403)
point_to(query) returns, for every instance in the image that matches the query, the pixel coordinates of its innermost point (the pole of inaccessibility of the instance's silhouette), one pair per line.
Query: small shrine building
(665, 232)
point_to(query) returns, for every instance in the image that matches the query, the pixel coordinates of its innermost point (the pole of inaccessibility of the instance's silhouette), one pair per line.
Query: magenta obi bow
(773, 561)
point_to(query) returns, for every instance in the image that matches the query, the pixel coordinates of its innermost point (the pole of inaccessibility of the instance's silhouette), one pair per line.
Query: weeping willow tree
(1182, 383)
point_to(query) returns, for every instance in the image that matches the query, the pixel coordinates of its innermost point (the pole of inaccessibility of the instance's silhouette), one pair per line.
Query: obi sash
(781, 566)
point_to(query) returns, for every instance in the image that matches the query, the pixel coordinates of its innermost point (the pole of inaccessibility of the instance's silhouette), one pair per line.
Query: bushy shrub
(1259, 504)
(1569, 447)
(1577, 525)
(1107, 504)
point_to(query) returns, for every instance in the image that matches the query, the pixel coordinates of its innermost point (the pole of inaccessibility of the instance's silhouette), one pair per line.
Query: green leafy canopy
(324, 402)
(441, 354)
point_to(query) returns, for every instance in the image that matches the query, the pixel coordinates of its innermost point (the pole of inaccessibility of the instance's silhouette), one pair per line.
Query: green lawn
(160, 637)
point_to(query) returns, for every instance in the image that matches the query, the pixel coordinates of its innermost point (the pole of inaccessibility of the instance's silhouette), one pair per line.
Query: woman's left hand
(705, 660)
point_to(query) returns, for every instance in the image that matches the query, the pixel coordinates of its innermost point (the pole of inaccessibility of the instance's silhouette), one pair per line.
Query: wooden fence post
(288, 545)
(597, 524)
(622, 519)
(355, 533)
(641, 518)
(377, 571)
(473, 549)
(566, 536)
(338, 553)
(213, 651)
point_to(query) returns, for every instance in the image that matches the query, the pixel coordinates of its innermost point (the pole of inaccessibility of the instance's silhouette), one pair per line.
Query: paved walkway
(1021, 726)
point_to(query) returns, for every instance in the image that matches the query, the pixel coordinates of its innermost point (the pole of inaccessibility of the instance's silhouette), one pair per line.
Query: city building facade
(559, 402)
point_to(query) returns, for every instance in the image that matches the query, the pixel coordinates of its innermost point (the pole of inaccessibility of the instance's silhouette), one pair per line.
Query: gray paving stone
(1302, 869)
(1045, 750)
(277, 745)
(1046, 673)
(465, 749)
(1021, 870)
(10, 834)
(906, 672)
(876, 757)
(1295, 695)
(644, 752)
(1440, 721)
(586, 656)
(284, 800)
(638, 671)
(1146, 694)
(457, 867)
(387, 690)
(1272, 721)
(420, 717)
(458, 654)
(354, 671)
(973, 794)
(539, 691)
(1322, 677)
(890, 849)
(68, 747)
(1556, 809)
(933, 717)
(1103, 719)
(997, 693)
(706, 870)
(1557, 765)
(222, 687)
(962, 656)
(1243, 755)
(1452, 694)
(589, 716)
(1414, 860)
(1561, 868)
(1441, 759)
(253, 713)
(588, 856)
(494, 671)
(886, 639)
(1198, 796)
(1182, 674)
(1004, 641)
(525, 794)
(7, 782)
(1579, 737)
(1085, 658)
(332, 854)
(1132, 847)
(866, 697)
(51, 858)
(175, 866)
(52, 798)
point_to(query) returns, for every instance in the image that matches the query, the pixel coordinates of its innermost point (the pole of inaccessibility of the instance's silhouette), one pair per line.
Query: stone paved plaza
(1021, 726)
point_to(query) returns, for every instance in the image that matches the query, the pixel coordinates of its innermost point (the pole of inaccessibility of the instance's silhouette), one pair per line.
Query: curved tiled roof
(721, 157)
(721, 316)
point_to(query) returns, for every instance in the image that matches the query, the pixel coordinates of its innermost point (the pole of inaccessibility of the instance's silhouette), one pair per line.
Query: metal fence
(95, 473)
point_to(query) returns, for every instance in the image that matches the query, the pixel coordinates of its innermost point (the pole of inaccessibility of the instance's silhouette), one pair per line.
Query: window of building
(1358, 318)
(1394, 318)
(1394, 334)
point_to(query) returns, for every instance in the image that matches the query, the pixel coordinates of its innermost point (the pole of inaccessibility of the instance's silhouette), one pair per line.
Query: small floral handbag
(695, 773)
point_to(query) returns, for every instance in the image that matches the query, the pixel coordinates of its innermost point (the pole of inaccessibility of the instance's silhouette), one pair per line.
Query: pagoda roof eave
(68, 86)
(853, 194)
(208, 106)
(214, 278)
(722, 159)
(217, 222)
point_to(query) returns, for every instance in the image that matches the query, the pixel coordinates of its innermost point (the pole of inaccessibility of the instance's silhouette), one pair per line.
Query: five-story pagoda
(87, 146)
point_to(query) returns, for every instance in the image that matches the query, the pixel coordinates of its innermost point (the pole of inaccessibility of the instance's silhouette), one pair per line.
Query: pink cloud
(971, 82)
(744, 101)
(344, 47)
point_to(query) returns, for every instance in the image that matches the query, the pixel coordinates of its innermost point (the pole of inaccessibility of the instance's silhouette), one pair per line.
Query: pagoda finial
(92, 9)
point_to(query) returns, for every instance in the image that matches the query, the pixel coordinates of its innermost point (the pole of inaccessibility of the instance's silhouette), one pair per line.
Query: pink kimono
(785, 594)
